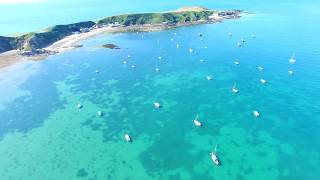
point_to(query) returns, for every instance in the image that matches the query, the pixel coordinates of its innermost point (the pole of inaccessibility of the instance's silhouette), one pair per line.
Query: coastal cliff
(185, 16)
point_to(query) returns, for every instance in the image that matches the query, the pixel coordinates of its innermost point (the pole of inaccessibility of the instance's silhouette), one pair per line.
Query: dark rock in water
(77, 46)
(111, 46)
(82, 173)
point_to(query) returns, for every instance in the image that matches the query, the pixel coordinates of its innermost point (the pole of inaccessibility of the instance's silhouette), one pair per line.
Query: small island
(59, 38)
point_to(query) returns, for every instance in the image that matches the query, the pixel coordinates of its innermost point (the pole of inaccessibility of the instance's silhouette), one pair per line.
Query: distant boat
(214, 157)
(239, 44)
(201, 60)
(99, 113)
(260, 68)
(97, 71)
(200, 34)
(157, 69)
(263, 81)
(157, 105)
(201, 39)
(236, 62)
(79, 106)
(127, 138)
(234, 88)
(209, 78)
(290, 72)
(125, 62)
(190, 50)
(256, 113)
(196, 121)
(129, 56)
(171, 39)
(242, 40)
(178, 45)
(160, 57)
(292, 60)
(133, 66)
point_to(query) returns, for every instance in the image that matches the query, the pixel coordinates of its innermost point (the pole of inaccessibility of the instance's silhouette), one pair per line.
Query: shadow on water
(29, 111)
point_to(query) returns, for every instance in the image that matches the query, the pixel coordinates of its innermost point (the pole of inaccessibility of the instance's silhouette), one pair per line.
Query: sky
(19, 1)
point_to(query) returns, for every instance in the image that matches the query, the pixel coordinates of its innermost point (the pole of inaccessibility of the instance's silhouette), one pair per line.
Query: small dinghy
(239, 44)
(209, 78)
(190, 50)
(201, 60)
(260, 68)
(292, 60)
(256, 113)
(290, 72)
(196, 121)
(242, 40)
(171, 39)
(160, 58)
(263, 81)
(178, 45)
(79, 106)
(99, 113)
(236, 62)
(157, 69)
(129, 56)
(127, 138)
(125, 62)
(133, 66)
(97, 71)
(214, 157)
(157, 105)
(234, 89)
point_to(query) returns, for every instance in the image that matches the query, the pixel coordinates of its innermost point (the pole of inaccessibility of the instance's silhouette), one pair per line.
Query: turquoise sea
(43, 135)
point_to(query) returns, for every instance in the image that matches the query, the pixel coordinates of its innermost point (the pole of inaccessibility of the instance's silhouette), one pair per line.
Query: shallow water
(45, 136)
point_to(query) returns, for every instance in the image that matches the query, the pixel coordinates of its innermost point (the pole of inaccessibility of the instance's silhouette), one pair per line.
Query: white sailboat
(236, 62)
(209, 78)
(214, 157)
(260, 68)
(127, 137)
(292, 60)
(263, 81)
(157, 105)
(235, 89)
(290, 72)
(256, 113)
(99, 113)
(190, 50)
(196, 121)
(79, 106)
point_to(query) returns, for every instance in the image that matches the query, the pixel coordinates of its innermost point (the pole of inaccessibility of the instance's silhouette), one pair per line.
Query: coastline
(71, 42)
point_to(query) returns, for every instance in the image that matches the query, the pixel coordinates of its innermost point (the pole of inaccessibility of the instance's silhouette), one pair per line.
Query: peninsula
(59, 38)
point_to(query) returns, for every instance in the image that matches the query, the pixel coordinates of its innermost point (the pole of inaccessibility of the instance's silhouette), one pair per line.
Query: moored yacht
(196, 121)
(127, 138)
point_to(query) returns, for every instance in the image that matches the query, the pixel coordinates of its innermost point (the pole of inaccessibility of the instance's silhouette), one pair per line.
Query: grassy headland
(185, 16)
